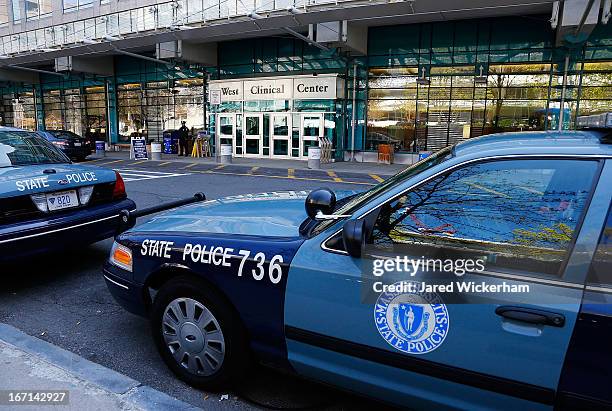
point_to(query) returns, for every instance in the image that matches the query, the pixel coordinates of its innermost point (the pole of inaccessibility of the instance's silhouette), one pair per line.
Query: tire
(210, 350)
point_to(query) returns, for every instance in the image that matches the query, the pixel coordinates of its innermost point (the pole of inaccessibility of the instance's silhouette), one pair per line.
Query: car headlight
(121, 256)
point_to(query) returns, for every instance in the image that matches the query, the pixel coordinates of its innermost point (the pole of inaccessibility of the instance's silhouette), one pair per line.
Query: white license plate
(62, 199)
(77, 144)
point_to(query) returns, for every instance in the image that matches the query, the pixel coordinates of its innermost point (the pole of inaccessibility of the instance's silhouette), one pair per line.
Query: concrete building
(273, 77)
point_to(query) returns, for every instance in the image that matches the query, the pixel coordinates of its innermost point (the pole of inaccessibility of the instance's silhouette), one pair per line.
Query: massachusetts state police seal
(411, 321)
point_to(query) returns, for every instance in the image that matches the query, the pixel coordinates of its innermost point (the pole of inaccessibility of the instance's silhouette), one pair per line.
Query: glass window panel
(519, 215)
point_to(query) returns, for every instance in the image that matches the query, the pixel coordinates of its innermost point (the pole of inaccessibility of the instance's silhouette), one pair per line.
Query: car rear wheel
(198, 335)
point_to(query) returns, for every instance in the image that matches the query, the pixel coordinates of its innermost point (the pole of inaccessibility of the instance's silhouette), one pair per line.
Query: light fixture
(89, 41)
(255, 16)
(108, 37)
(293, 10)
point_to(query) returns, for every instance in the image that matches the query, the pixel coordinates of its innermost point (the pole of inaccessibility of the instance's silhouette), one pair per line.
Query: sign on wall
(322, 87)
(269, 89)
(215, 97)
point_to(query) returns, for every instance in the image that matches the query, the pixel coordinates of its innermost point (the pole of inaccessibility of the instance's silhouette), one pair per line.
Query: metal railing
(175, 14)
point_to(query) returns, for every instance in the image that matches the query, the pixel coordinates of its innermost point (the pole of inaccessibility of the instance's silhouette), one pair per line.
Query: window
(73, 5)
(601, 268)
(16, 10)
(20, 148)
(516, 214)
(35, 9)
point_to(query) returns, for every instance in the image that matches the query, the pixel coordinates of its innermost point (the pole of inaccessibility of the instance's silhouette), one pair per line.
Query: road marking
(531, 190)
(190, 165)
(478, 186)
(139, 162)
(333, 175)
(111, 162)
(219, 167)
(285, 177)
(165, 163)
(377, 178)
(254, 169)
(290, 173)
(137, 175)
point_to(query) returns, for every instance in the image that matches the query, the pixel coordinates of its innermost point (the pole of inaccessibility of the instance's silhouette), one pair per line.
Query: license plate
(77, 144)
(62, 199)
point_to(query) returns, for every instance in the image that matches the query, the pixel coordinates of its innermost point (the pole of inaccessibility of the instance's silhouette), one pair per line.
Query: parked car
(294, 280)
(74, 146)
(47, 203)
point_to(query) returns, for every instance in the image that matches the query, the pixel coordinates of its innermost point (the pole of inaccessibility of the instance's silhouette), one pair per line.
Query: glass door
(281, 138)
(311, 129)
(227, 128)
(253, 135)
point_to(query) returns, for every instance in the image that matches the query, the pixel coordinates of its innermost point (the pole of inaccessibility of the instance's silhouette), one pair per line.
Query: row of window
(455, 103)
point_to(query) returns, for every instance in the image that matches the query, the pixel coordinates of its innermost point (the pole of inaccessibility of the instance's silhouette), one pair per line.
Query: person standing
(183, 135)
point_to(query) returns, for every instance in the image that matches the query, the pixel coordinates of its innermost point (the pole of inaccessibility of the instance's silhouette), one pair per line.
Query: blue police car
(478, 278)
(47, 203)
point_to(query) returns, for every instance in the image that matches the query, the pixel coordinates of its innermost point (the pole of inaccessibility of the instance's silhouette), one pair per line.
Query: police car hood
(23, 180)
(275, 214)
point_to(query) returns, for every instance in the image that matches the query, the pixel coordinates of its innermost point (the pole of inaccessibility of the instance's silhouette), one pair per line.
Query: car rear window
(64, 135)
(21, 148)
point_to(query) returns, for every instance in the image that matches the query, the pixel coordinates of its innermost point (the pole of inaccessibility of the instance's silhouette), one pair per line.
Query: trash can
(226, 154)
(156, 149)
(314, 157)
(167, 142)
(101, 148)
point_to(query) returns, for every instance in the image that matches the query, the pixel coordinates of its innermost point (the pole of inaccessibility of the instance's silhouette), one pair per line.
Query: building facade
(272, 90)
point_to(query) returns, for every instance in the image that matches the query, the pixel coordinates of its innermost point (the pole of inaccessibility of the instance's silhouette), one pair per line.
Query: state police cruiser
(263, 277)
(48, 203)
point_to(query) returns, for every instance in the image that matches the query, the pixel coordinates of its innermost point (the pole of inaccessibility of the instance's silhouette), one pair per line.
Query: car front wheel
(198, 334)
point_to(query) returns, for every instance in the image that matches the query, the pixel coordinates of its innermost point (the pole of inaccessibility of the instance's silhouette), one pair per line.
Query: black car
(73, 145)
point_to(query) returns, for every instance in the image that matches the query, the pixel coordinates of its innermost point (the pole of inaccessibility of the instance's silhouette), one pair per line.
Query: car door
(521, 219)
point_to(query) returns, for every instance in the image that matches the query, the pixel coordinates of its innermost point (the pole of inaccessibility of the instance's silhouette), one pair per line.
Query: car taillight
(119, 190)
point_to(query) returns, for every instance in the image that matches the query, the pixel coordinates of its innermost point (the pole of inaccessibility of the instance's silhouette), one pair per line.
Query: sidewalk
(28, 363)
(342, 166)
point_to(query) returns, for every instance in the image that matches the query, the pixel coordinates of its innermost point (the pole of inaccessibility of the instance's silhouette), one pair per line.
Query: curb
(125, 387)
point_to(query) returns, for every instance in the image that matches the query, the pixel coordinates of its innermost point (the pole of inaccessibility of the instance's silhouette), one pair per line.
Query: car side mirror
(354, 237)
(320, 201)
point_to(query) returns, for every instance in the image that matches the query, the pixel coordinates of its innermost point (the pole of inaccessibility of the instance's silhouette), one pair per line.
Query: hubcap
(193, 336)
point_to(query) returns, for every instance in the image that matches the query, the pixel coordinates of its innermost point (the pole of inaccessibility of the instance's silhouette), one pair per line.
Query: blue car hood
(24, 180)
(276, 214)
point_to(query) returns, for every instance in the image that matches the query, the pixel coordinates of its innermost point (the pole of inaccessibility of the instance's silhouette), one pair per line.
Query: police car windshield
(357, 201)
(22, 148)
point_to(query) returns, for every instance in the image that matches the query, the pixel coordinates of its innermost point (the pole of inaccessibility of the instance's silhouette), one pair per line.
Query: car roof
(538, 142)
(6, 128)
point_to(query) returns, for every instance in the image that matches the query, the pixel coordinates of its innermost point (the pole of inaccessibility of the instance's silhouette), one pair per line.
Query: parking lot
(61, 298)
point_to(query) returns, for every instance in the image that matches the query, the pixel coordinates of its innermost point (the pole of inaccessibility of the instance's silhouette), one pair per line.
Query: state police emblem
(411, 321)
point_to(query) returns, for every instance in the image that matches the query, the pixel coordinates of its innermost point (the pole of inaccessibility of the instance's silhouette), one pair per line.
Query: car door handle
(531, 315)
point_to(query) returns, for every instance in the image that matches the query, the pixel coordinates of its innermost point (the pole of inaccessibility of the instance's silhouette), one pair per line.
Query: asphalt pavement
(62, 299)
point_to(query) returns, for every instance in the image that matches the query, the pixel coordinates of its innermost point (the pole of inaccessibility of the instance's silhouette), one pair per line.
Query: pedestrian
(183, 135)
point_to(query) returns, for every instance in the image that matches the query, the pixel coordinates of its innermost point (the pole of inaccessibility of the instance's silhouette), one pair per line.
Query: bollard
(100, 148)
(156, 149)
(314, 157)
(226, 154)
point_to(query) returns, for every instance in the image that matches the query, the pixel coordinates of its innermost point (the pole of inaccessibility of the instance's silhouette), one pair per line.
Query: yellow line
(219, 167)
(190, 165)
(290, 173)
(285, 177)
(111, 162)
(164, 163)
(488, 190)
(377, 178)
(334, 176)
(254, 169)
(139, 162)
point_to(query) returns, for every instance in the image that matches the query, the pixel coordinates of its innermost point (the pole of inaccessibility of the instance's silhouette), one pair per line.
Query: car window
(601, 268)
(357, 201)
(515, 214)
(20, 148)
(64, 135)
